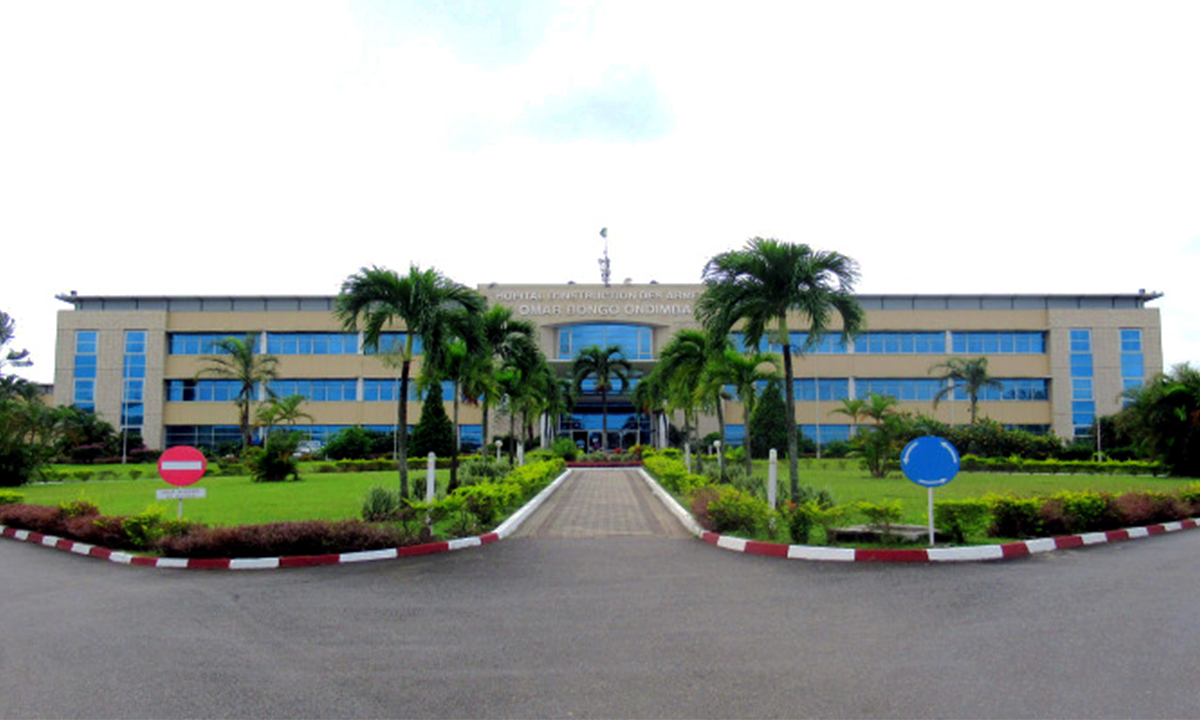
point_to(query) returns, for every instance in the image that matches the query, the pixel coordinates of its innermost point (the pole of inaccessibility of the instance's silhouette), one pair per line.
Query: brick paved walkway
(598, 502)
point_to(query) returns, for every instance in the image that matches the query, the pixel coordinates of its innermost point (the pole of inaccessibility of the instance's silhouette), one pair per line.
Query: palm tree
(744, 372)
(682, 363)
(606, 365)
(970, 374)
(764, 282)
(504, 336)
(236, 359)
(853, 408)
(648, 398)
(8, 331)
(282, 411)
(466, 368)
(1163, 418)
(422, 301)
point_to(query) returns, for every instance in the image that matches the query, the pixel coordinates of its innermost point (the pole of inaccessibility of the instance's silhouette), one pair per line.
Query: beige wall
(664, 308)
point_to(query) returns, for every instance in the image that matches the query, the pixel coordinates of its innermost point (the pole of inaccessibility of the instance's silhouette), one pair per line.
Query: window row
(374, 390)
(912, 343)
(301, 343)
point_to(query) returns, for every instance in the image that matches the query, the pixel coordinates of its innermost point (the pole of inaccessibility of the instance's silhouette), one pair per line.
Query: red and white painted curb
(973, 553)
(270, 563)
(1006, 551)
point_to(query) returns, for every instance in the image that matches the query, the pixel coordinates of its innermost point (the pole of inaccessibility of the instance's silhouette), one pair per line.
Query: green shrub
(882, 516)
(276, 461)
(10, 497)
(963, 519)
(145, 528)
(800, 523)
(725, 509)
(1015, 517)
(78, 508)
(565, 448)
(481, 469)
(487, 501)
(818, 513)
(381, 505)
(1067, 513)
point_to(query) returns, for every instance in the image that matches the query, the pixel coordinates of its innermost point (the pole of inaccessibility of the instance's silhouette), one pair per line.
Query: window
(392, 342)
(203, 390)
(900, 343)
(201, 343)
(812, 389)
(999, 343)
(312, 343)
(635, 341)
(906, 389)
(1011, 390)
(84, 383)
(1133, 363)
(317, 390)
(828, 344)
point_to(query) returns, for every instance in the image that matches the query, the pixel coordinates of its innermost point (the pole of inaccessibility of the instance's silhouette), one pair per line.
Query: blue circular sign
(929, 461)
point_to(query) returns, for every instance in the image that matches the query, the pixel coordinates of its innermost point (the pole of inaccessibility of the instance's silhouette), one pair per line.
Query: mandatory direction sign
(182, 465)
(929, 461)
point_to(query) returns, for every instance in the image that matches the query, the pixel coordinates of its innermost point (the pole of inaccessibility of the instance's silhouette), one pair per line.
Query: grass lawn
(235, 500)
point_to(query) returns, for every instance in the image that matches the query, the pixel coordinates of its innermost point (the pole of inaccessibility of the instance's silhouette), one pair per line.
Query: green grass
(235, 500)
(849, 484)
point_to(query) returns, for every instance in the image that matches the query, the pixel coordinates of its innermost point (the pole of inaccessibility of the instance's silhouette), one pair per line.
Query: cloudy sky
(277, 147)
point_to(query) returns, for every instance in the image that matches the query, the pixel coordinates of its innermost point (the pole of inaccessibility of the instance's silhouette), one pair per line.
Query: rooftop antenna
(605, 271)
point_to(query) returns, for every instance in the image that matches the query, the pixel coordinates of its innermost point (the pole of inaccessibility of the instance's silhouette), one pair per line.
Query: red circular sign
(182, 465)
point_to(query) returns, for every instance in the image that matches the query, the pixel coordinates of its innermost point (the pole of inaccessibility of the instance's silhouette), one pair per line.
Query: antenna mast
(605, 271)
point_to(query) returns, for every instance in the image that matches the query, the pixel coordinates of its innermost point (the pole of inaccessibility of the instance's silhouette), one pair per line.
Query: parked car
(309, 448)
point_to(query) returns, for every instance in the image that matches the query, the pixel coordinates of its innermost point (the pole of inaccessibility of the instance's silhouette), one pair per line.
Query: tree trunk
(793, 439)
(402, 428)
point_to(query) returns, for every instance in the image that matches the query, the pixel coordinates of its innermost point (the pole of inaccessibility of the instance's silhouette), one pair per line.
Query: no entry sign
(182, 465)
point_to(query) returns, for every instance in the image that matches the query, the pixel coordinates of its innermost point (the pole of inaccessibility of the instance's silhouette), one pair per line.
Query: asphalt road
(621, 625)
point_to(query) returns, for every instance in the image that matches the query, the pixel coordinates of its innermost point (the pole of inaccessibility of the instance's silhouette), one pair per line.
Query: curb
(973, 553)
(271, 563)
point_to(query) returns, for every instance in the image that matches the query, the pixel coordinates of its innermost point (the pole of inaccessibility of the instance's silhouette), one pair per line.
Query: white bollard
(520, 454)
(431, 478)
(773, 478)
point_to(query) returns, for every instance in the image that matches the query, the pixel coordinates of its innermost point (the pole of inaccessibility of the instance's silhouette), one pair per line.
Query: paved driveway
(627, 624)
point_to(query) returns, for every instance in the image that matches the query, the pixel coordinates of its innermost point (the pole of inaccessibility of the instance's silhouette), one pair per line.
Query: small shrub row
(1052, 466)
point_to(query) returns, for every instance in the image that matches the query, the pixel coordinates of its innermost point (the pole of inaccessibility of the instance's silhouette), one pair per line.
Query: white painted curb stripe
(50, 540)
(1094, 538)
(467, 542)
(180, 563)
(82, 548)
(1138, 532)
(814, 552)
(673, 505)
(366, 555)
(981, 552)
(254, 563)
(731, 543)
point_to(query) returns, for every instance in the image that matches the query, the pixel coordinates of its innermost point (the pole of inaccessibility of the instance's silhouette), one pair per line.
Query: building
(1063, 360)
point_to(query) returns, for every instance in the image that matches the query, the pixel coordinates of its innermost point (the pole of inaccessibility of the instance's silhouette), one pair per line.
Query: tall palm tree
(744, 372)
(648, 397)
(606, 365)
(853, 408)
(505, 336)
(970, 374)
(422, 302)
(12, 356)
(761, 285)
(467, 368)
(236, 359)
(682, 363)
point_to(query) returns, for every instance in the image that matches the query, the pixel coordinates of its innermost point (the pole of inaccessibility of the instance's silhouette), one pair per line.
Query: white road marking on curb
(254, 563)
(1041, 545)
(1138, 532)
(82, 548)
(813, 552)
(1094, 538)
(179, 563)
(731, 543)
(366, 555)
(467, 542)
(979, 552)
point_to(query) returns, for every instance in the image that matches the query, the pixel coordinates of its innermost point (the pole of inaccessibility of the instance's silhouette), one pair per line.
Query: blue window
(312, 343)
(381, 390)
(392, 342)
(85, 392)
(833, 343)
(1081, 341)
(1011, 390)
(900, 343)
(806, 389)
(1081, 365)
(1081, 389)
(203, 435)
(999, 343)
(317, 390)
(201, 343)
(203, 390)
(905, 389)
(635, 341)
(824, 434)
(85, 366)
(85, 342)
(1131, 340)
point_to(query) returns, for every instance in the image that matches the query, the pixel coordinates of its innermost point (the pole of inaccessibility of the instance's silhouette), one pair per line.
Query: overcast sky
(277, 147)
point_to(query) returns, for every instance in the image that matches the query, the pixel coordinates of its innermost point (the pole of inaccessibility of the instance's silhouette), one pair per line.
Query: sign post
(929, 462)
(181, 466)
